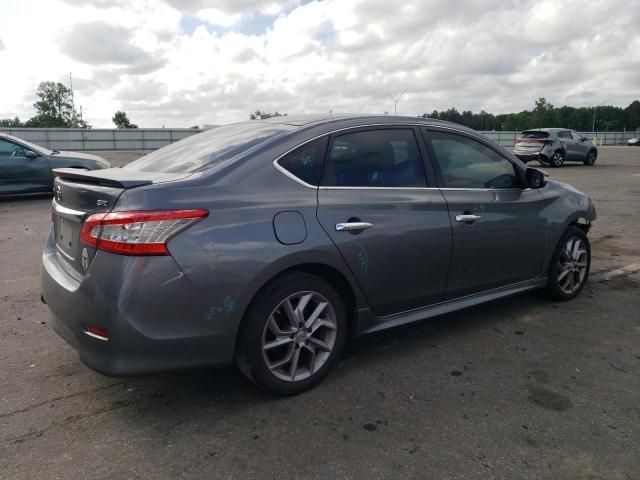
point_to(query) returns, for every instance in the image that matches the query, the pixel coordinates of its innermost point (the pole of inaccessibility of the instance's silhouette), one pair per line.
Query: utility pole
(73, 105)
(395, 101)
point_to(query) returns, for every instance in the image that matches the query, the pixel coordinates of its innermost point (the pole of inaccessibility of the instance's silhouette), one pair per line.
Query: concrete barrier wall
(154, 138)
(101, 139)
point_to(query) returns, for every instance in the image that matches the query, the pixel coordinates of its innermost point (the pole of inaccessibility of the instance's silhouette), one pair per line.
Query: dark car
(554, 146)
(27, 168)
(268, 242)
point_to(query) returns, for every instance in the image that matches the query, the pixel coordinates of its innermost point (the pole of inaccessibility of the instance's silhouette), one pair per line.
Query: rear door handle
(350, 226)
(468, 217)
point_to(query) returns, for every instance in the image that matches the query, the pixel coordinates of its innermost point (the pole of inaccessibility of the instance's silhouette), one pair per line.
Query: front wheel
(591, 158)
(570, 265)
(292, 335)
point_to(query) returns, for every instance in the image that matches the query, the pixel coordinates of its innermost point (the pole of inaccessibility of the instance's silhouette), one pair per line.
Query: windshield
(31, 146)
(207, 149)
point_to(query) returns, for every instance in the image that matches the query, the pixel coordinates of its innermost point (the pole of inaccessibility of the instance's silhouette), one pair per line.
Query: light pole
(395, 101)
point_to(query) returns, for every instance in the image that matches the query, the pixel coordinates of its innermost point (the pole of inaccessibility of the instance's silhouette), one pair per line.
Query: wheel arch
(330, 274)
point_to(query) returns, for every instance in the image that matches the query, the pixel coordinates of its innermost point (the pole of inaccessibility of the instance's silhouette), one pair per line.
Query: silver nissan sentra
(266, 243)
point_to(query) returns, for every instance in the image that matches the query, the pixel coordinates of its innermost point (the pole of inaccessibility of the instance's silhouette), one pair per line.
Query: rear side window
(305, 162)
(375, 158)
(534, 134)
(564, 134)
(467, 163)
(208, 149)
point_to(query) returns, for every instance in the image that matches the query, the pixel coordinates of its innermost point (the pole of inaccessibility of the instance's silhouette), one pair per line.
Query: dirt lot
(520, 388)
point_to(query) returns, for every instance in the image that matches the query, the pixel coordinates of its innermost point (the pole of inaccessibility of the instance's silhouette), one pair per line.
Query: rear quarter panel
(235, 248)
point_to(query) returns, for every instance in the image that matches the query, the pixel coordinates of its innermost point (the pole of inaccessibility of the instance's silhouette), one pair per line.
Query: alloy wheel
(591, 158)
(299, 336)
(558, 159)
(572, 265)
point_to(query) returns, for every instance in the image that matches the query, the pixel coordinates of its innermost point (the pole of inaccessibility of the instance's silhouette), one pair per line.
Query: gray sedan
(27, 168)
(267, 243)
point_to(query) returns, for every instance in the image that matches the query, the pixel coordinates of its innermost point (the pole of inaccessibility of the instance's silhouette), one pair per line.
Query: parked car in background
(554, 146)
(268, 242)
(27, 168)
(634, 142)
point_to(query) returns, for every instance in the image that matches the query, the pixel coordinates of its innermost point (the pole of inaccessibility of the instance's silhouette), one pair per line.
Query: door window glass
(305, 162)
(375, 158)
(576, 136)
(564, 134)
(10, 149)
(467, 163)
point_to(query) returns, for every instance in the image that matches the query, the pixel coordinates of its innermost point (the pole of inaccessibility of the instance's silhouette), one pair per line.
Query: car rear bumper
(155, 318)
(528, 157)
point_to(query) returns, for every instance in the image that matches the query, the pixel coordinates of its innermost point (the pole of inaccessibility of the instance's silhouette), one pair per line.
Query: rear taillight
(137, 232)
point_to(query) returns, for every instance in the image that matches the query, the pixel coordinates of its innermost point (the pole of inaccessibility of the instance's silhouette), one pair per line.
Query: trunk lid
(78, 194)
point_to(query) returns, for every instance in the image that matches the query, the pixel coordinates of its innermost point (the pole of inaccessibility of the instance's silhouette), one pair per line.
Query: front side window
(305, 162)
(564, 134)
(576, 136)
(10, 149)
(375, 158)
(468, 163)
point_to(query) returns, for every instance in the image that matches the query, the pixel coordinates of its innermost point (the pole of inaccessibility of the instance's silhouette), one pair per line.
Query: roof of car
(318, 119)
(554, 129)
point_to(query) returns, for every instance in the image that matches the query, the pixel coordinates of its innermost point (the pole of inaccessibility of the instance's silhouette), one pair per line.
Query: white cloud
(186, 62)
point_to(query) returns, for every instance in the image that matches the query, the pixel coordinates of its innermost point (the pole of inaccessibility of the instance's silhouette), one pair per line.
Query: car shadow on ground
(177, 397)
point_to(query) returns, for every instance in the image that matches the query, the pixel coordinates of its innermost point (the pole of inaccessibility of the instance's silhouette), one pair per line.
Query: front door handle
(468, 217)
(351, 226)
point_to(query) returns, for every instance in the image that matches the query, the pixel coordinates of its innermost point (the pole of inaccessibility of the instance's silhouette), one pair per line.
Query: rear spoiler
(116, 177)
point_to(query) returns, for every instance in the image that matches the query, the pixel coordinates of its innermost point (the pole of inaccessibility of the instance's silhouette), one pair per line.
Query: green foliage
(121, 120)
(11, 122)
(55, 108)
(258, 115)
(544, 114)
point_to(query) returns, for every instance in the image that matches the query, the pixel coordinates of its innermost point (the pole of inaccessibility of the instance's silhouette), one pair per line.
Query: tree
(11, 122)
(55, 108)
(121, 120)
(258, 115)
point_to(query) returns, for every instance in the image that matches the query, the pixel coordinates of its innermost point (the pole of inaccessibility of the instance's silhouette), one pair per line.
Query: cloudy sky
(186, 62)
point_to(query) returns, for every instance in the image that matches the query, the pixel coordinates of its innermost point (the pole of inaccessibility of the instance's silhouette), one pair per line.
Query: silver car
(554, 146)
(266, 243)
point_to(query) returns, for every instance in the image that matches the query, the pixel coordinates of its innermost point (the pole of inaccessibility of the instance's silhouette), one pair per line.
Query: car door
(20, 173)
(581, 147)
(392, 230)
(499, 232)
(569, 144)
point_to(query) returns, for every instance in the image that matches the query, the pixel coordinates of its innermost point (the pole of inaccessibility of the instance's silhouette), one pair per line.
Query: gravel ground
(519, 388)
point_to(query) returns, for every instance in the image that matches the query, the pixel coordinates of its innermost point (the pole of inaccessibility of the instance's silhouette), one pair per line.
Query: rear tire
(293, 333)
(570, 264)
(591, 158)
(557, 159)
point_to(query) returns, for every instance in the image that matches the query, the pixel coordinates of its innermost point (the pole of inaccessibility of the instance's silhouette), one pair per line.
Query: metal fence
(101, 139)
(154, 138)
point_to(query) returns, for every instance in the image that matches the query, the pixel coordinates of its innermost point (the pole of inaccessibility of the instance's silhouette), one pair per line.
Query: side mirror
(30, 154)
(535, 178)
(584, 139)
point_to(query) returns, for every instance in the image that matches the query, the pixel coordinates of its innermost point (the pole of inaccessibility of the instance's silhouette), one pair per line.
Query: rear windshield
(534, 134)
(207, 149)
